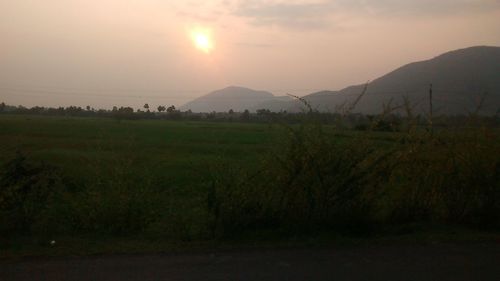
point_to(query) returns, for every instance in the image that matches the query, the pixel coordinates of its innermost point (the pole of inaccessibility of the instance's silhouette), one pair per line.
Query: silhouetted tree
(263, 111)
(73, 110)
(171, 109)
(161, 108)
(124, 113)
(231, 111)
(246, 115)
(126, 110)
(2, 106)
(146, 106)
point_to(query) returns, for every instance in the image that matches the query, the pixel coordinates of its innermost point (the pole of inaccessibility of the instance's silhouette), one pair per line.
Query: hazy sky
(129, 52)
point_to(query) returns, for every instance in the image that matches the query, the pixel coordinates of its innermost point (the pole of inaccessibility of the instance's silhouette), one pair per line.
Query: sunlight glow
(203, 40)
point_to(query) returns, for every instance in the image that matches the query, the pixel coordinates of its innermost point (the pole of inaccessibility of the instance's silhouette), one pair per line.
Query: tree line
(386, 121)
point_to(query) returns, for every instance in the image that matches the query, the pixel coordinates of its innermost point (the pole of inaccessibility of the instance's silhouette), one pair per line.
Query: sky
(166, 52)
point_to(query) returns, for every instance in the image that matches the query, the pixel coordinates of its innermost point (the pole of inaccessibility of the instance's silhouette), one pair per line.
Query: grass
(123, 186)
(112, 171)
(170, 150)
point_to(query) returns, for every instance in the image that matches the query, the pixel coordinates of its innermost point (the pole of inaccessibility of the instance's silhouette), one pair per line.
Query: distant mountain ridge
(460, 79)
(235, 98)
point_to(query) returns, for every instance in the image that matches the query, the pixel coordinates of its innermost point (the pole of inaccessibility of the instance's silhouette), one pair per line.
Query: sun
(203, 40)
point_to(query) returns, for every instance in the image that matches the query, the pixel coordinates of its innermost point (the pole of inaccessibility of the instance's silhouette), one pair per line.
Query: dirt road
(452, 262)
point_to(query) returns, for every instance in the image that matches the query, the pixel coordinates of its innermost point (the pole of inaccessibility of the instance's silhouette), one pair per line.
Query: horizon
(106, 53)
(140, 106)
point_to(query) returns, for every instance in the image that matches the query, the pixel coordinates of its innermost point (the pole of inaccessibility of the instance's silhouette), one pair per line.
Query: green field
(109, 169)
(155, 180)
(176, 154)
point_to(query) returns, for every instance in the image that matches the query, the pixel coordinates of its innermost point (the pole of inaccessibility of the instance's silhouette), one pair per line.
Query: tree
(146, 107)
(246, 115)
(161, 108)
(2, 106)
(231, 111)
(88, 107)
(126, 110)
(171, 109)
(263, 111)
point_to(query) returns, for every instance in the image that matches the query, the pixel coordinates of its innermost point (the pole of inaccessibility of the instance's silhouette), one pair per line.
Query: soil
(454, 262)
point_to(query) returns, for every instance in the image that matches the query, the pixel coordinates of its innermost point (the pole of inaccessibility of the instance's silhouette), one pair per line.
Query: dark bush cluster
(27, 195)
(318, 181)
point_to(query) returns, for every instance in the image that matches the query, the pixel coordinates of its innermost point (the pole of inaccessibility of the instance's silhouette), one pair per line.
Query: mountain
(235, 98)
(276, 104)
(460, 80)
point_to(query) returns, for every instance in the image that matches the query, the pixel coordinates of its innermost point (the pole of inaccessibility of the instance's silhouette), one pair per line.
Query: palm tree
(171, 109)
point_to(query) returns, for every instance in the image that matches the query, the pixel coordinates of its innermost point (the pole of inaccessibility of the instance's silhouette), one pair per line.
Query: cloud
(294, 15)
(421, 7)
(307, 15)
(202, 11)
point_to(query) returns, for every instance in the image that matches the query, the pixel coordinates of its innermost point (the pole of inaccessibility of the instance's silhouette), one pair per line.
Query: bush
(447, 176)
(319, 179)
(312, 182)
(27, 193)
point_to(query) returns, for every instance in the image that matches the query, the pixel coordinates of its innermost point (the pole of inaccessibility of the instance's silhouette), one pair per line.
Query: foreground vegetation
(157, 180)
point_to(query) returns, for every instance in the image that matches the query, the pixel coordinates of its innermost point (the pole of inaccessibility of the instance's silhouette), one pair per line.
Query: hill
(460, 79)
(235, 98)
(275, 105)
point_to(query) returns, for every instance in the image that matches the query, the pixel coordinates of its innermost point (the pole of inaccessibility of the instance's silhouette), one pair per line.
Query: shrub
(27, 194)
(313, 181)
(329, 179)
(449, 176)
